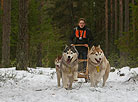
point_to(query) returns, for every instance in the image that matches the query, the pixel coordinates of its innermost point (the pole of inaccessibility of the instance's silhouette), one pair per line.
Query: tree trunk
(39, 55)
(2, 4)
(134, 27)
(116, 20)
(39, 46)
(22, 53)
(112, 35)
(122, 54)
(126, 26)
(121, 18)
(6, 33)
(127, 18)
(133, 2)
(111, 3)
(106, 27)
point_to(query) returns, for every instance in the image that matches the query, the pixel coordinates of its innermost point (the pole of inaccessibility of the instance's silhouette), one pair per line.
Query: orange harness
(80, 33)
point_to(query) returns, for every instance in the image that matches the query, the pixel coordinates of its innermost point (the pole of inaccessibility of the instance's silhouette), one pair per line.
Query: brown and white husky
(98, 66)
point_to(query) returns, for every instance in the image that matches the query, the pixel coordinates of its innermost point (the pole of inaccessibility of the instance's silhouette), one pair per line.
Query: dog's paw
(65, 87)
(68, 88)
(75, 79)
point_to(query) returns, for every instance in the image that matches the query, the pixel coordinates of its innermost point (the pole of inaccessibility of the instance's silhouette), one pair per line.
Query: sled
(83, 74)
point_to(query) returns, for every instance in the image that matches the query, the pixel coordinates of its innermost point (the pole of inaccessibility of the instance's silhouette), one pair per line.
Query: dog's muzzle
(98, 61)
(57, 66)
(69, 59)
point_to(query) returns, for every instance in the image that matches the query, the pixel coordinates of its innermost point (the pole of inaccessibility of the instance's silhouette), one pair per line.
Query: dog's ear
(66, 46)
(93, 48)
(65, 49)
(99, 46)
(75, 50)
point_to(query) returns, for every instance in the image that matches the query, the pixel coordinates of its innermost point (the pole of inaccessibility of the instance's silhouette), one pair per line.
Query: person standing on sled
(82, 35)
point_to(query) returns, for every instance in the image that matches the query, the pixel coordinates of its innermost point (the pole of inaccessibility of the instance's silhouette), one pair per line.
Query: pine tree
(22, 53)
(6, 33)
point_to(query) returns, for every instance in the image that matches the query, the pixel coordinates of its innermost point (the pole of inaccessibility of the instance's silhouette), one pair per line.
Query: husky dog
(58, 69)
(69, 66)
(98, 66)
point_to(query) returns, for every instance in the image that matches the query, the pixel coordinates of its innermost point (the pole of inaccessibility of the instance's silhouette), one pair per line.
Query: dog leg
(99, 77)
(65, 80)
(58, 78)
(106, 75)
(96, 83)
(70, 86)
(71, 79)
(75, 76)
(76, 73)
(92, 80)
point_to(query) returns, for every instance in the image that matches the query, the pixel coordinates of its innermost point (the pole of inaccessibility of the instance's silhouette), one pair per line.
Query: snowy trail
(41, 86)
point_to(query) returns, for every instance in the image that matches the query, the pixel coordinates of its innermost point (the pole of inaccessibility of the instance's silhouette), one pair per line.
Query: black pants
(83, 55)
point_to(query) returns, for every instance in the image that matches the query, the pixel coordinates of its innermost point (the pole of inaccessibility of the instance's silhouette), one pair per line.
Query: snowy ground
(39, 85)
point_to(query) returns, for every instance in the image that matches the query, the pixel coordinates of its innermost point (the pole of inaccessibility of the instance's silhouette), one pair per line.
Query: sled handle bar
(80, 45)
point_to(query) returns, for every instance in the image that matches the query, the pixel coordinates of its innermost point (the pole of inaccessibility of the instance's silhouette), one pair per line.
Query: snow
(40, 85)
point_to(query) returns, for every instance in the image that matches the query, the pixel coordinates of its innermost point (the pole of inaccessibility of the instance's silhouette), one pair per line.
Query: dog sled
(83, 74)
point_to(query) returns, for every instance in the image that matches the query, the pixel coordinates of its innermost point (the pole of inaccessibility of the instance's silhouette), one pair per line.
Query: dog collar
(97, 67)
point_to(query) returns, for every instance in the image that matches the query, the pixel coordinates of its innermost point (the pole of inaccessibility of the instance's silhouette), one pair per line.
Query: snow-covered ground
(40, 85)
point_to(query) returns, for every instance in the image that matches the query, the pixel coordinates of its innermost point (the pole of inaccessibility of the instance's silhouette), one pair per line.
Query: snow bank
(39, 85)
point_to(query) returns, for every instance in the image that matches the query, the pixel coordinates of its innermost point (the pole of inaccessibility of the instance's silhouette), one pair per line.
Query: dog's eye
(67, 53)
(91, 53)
(71, 53)
(96, 54)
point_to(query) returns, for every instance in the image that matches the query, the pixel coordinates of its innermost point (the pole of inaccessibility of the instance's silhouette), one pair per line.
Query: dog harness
(69, 70)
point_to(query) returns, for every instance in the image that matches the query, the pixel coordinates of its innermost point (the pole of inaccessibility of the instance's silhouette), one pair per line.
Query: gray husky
(69, 66)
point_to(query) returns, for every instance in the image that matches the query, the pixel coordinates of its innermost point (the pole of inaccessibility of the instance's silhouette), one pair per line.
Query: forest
(34, 32)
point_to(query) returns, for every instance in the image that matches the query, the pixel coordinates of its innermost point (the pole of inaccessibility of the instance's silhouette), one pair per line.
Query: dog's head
(70, 54)
(96, 54)
(58, 62)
